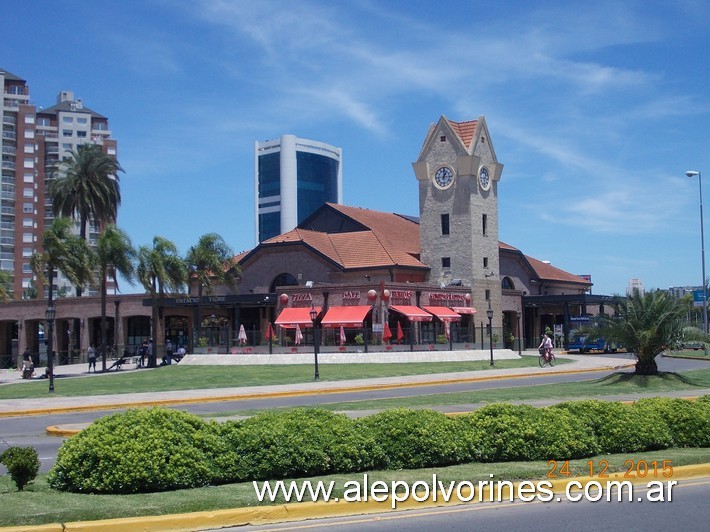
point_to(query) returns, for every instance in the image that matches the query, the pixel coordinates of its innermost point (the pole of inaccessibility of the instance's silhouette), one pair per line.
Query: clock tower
(458, 176)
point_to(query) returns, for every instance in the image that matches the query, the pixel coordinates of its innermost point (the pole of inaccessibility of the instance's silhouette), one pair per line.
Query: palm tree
(209, 261)
(64, 251)
(86, 186)
(646, 324)
(5, 286)
(160, 269)
(114, 255)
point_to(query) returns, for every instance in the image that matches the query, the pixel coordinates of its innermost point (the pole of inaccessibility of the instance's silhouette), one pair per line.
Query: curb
(292, 393)
(319, 510)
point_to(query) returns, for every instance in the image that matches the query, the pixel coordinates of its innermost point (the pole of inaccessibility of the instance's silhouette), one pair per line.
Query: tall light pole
(50, 314)
(517, 313)
(693, 173)
(314, 316)
(489, 313)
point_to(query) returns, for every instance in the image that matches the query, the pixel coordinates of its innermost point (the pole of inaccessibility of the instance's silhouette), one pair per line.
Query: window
(29, 162)
(444, 224)
(27, 252)
(67, 133)
(29, 148)
(28, 177)
(488, 295)
(484, 224)
(81, 120)
(43, 122)
(485, 262)
(111, 151)
(27, 208)
(27, 238)
(27, 222)
(442, 138)
(26, 268)
(446, 262)
(28, 193)
(507, 284)
(66, 146)
(29, 119)
(29, 133)
(81, 134)
(68, 119)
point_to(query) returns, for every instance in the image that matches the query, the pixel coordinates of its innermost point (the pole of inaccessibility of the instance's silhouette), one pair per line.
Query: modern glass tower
(293, 177)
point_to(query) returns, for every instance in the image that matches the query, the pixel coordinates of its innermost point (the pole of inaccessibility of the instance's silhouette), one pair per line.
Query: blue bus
(578, 341)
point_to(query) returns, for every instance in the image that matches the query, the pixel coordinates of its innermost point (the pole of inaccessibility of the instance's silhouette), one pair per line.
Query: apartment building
(33, 142)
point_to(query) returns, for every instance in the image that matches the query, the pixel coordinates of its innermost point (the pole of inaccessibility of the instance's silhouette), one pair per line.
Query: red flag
(387, 334)
(400, 334)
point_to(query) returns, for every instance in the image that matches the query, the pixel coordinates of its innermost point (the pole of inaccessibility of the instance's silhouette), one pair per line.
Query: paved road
(687, 511)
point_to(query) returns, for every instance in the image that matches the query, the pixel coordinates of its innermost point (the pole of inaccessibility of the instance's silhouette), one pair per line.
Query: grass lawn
(617, 383)
(39, 505)
(179, 377)
(689, 353)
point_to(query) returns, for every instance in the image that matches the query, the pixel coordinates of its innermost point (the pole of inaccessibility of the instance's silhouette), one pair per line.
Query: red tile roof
(465, 131)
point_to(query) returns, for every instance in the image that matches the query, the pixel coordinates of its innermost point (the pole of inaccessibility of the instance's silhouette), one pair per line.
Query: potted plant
(494, 337)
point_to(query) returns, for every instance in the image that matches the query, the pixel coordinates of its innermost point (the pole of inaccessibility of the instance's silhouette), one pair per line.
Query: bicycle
(543, 360)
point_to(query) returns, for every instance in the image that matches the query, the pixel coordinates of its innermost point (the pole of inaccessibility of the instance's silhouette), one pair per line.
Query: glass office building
(293, 177)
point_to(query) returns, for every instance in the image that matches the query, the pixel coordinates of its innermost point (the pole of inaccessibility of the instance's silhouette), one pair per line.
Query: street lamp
(314, 315)
(693, 173)
(517, 313)
(50, 314)
(489, 313)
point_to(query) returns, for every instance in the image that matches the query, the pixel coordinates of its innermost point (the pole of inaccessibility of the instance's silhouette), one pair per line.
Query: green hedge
(156, 449)
(504, 432)
(300, 442)
(412, 439)
(140, 450)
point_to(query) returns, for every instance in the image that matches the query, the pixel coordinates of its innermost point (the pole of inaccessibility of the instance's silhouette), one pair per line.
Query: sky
(596, 109)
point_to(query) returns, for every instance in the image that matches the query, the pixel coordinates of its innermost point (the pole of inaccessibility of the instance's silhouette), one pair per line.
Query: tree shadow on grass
(646, 381)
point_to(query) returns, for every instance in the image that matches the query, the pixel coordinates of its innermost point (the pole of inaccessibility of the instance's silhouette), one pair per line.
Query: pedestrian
(91, 353)
(168, 356)
(143, 352)
(28, 368)
(180, 353)
(151, 354)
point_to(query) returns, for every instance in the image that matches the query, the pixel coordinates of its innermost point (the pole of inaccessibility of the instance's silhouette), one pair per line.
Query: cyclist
(545, 347)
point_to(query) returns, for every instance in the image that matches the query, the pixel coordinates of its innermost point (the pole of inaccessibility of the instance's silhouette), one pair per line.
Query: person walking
(91, 353)
(168, 356)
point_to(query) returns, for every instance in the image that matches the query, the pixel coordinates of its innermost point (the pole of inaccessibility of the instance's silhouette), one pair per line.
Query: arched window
(283, 279)
(507, 284)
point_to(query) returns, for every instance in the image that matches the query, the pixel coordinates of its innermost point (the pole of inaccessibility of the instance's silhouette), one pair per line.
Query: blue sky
(596, 109)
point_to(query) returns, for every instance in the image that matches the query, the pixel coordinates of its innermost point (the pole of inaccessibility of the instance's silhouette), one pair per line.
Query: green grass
(40, 505)
(617, 383)
(179, 377)
(689, 353)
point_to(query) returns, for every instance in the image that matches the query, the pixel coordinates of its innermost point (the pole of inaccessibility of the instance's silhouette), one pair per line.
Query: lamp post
(517, 313)
(489, 313)
(314, 315)
(693, 173)
(50, 314)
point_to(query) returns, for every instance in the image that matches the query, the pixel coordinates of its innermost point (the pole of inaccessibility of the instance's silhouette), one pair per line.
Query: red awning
(412, 313)
(443, 313)
(464, 310)
(345, 316)
(290, 317)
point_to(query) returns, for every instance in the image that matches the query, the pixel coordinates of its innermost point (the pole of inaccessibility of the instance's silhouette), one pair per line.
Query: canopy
(292, 316)
(443, 313)
(412, 313)
(464, 310)
(345, 316)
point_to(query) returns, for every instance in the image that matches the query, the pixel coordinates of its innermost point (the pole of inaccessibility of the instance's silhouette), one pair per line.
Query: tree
(114, 255)
(160, 269)
(5, 286)
(86, 186)
(646, 325)
(68, 253)
(211, 260)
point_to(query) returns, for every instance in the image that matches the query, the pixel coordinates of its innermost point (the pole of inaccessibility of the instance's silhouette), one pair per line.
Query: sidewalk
(54, 404)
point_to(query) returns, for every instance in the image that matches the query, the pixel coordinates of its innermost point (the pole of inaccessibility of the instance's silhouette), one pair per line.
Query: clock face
(444, 177)
(484, 178)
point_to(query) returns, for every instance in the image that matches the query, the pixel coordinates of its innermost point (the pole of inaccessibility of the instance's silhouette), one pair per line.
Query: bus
(579, 341)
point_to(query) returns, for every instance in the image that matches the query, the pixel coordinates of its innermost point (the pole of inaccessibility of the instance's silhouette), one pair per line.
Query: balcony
(9, 150)
(10, 135)
(8, 164)
(9, 119)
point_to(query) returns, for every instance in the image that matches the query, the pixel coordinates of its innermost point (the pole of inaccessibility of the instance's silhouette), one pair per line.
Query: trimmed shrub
(617, 427)
(22, 463)
(137, 451)
(412, 439)
(505, 432)
(300, 442)
(689, 422)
